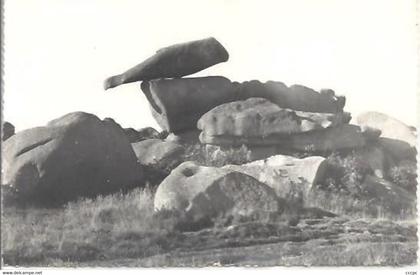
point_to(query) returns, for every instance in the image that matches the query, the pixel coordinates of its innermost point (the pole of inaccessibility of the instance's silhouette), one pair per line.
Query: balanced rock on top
(173, 62)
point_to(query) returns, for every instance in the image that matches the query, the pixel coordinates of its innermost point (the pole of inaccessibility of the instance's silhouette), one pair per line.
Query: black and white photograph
(209, 134)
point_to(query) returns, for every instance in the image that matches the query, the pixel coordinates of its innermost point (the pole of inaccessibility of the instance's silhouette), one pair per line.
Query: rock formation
(157, 158)
(390, 127)
(215, 122)
(162, 155)
(343, 137)
(76, 155)
(288, 176)
(177, 104)
(396, 138)
(260, 118)
(296, 97)
(173, 62)
(207, 192)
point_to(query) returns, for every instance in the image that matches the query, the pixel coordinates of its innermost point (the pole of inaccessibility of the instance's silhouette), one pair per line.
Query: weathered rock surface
(8, 130)
(326, 140)
(76, 155)
(295, 97)
(398, 149)
(141, 134)
(177, 104)
(174, 61)
(288, 176)
(160, 154)
(390, 127)
(206, 192)
(158, 158)
(258, 117)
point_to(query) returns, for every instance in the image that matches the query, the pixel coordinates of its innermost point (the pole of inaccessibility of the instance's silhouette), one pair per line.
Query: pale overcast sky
(58, 52)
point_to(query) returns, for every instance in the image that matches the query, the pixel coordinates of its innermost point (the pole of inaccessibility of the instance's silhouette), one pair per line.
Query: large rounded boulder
(206, 192)
(390, 127)
(76, 155)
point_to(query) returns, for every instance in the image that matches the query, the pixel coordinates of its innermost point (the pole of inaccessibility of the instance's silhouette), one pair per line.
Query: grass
(123, 229)
(118, 225)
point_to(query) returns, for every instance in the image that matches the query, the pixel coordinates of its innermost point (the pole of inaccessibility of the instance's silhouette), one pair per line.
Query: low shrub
(404, 175)
(345, 174)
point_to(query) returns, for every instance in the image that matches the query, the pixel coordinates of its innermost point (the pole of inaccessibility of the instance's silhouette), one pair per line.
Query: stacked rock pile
(80, 155)
(269, 118)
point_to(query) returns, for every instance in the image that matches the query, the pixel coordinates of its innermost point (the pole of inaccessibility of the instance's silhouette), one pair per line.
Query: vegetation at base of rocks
(208, 155)
(404, 175)
(344, 190)
(118, 225)
(345, 174)
(124, 226)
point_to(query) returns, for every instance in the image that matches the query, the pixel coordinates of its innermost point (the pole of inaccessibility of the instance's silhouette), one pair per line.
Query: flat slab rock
(259, 117)
(76, 155)
(343, 137)
(209, 191)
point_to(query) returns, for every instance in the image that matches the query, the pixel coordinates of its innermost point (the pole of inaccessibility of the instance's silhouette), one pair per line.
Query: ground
(123, 230)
